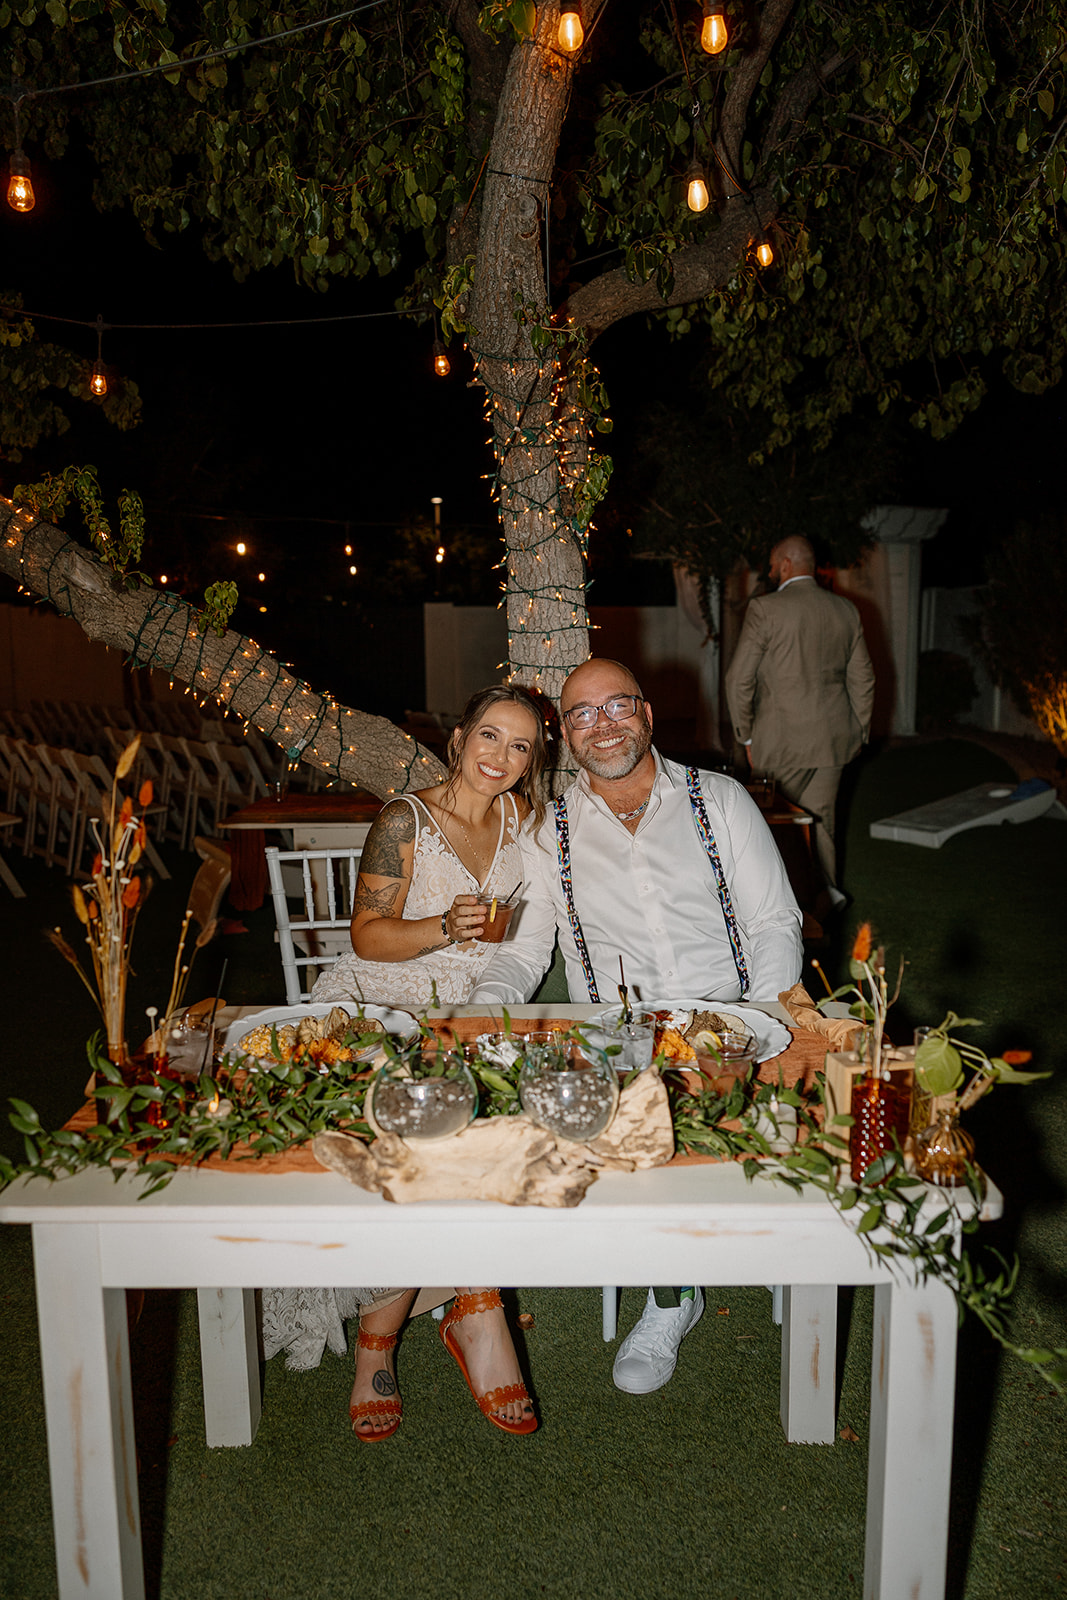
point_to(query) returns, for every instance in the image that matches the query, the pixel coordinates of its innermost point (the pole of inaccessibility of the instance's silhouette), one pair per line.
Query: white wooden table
(227, 1234)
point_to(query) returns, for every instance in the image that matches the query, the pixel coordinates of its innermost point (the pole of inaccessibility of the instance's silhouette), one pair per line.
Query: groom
(674, 870)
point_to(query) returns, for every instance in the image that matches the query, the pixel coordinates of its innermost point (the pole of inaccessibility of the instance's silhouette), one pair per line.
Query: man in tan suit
(800, 690)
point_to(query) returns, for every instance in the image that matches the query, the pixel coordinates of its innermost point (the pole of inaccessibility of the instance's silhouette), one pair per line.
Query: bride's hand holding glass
(464, 919)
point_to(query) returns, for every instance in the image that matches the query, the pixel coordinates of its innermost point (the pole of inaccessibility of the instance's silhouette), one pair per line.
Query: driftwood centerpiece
(507, 1158)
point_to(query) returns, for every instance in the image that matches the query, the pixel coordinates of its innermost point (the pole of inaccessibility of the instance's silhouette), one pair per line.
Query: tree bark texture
(155, 629)
(547, 623)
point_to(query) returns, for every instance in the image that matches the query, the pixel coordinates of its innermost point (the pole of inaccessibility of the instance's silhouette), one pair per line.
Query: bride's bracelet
(444, 927)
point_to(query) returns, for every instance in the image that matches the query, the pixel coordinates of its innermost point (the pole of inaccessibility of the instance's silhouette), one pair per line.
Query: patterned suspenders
(707, 839)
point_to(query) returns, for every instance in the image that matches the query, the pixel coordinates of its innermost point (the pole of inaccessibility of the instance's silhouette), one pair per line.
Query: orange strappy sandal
(468, 1305)
(392, 1407)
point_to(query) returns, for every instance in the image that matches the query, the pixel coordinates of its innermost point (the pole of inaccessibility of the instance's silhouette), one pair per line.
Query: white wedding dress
(305, 1322)
(437, 876)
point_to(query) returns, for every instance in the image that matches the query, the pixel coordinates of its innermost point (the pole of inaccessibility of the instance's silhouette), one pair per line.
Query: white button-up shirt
(651, 898)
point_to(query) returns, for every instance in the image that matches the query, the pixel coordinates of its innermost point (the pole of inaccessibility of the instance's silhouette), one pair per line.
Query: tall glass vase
(879, 1121)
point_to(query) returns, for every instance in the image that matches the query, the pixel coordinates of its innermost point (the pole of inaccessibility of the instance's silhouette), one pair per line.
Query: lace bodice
(437, 876)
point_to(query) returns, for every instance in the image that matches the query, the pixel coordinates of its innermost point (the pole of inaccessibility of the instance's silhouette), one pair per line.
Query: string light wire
(205, 55)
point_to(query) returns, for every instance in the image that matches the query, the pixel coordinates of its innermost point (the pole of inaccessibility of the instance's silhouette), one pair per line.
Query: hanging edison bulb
(697, 197)
(441, 364)
(571, 33)
(20, 195)
(98, 380)
(764, 251)
(714, 36)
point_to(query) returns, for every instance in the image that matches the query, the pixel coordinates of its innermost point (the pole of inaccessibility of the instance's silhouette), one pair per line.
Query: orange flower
(861, 950)
(1017, 1058)
(126, 813)
(132, 893)
(98, 865)
(144, 798)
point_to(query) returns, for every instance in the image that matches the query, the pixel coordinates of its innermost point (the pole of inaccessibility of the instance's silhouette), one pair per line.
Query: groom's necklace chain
(628, 816)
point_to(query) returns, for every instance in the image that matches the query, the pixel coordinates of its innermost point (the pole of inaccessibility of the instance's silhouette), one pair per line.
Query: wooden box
(844, 1067)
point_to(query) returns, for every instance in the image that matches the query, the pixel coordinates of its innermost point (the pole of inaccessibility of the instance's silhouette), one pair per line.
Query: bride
(415, 926)
(416, 917)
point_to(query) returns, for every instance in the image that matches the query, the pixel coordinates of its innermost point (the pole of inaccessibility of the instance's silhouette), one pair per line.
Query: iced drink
(497, 918)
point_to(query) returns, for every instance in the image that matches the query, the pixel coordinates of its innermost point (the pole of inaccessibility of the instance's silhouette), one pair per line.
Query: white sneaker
(648, 1355)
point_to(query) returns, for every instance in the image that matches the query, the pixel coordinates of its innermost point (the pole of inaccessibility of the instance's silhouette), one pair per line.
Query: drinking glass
(497, 920)
(637, 1040)
(188, 1048)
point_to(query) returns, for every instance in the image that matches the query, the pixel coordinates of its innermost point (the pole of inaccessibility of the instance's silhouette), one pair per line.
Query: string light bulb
(764, 251)
(571, 34)
(20, 195)
(441, 364)
(98, 376)
(697, 197)
(714, 35)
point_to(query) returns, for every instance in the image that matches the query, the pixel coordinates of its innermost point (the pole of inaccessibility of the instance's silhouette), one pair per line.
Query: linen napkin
(839, 1031)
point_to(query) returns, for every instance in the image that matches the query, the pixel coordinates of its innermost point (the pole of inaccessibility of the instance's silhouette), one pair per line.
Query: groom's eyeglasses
(616, 710)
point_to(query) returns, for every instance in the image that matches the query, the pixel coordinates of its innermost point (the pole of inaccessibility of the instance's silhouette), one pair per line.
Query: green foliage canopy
(908, 163)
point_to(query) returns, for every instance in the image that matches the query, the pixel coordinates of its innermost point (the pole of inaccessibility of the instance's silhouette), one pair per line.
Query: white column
(900, 530)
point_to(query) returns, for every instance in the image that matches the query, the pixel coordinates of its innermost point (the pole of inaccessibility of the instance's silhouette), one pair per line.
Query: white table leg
(809, 1361)
(92, 1459)
(229, 1365)
(913, 1371)
(609, 1313)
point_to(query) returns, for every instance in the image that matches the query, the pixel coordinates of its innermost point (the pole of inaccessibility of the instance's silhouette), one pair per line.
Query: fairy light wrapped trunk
(539, 431)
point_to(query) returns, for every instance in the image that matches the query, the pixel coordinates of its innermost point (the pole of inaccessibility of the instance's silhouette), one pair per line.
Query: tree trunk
(156, 629)
(520, 362)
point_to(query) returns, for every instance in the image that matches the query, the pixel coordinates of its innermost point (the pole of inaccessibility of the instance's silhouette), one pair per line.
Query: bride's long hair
(531, 786)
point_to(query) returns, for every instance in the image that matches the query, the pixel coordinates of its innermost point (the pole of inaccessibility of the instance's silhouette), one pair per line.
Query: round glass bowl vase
(944, 1152)
(567, 1094)
(422, 1097)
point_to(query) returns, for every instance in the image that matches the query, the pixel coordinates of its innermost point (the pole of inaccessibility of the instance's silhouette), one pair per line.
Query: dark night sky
(345, 422)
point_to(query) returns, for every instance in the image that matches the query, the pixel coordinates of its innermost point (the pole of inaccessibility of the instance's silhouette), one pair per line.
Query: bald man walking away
(801, 689)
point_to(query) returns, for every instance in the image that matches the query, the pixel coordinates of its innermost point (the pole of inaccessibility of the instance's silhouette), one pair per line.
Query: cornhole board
(985, 806)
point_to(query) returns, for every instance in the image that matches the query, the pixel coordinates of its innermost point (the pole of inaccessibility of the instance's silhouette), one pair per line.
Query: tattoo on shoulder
(394, 827)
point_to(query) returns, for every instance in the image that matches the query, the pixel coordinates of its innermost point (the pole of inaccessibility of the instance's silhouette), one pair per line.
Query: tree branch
(155, 629)
(745, 77)
(699, 269)
(795, 102)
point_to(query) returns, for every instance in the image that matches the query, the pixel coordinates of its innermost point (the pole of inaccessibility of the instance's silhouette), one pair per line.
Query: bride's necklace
(478, 854)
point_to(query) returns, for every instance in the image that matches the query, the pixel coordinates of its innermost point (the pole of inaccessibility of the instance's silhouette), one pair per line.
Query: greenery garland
(153, 1126)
